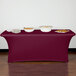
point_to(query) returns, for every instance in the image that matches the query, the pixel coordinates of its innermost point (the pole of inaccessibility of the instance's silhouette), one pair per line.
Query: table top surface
(36, 32)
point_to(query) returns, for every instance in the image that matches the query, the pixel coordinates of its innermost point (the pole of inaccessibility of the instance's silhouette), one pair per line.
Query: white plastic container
(16, 31)
(45, 28)
(28, 29)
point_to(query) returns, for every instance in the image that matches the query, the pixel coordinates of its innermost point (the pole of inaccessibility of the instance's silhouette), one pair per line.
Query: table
(38, 46)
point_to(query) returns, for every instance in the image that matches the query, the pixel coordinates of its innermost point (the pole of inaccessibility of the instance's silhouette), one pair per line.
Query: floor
(37, 68)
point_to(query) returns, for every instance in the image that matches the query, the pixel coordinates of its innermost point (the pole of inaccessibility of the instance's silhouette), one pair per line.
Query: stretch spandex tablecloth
(38, 46)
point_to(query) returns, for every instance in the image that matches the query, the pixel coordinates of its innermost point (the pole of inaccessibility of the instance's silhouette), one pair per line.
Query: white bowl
(9, 30)
(28, 29)
(16, 30)
(45, 28)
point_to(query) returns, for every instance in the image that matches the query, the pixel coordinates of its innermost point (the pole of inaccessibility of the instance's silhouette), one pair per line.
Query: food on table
(62, 31)
(28, 28)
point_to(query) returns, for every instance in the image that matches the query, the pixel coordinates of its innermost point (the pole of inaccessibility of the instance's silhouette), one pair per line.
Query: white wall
(20, 13)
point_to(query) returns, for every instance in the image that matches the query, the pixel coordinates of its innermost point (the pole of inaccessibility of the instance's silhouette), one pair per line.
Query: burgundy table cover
(38, 46)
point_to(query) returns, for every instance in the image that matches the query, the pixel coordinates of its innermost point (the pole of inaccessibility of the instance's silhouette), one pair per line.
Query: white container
(9, 30)
(28, 29)
(16, 31)
(45, 28)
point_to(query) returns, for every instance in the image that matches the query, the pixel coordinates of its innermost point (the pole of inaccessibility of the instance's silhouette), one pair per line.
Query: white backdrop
(20, 13)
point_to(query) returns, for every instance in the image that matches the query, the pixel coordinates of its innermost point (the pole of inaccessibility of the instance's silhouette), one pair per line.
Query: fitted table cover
(38, 46)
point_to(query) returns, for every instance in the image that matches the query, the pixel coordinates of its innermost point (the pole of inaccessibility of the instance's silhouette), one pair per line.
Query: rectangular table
(38, 46)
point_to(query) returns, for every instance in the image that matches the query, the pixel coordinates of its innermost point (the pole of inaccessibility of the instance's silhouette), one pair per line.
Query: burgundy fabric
(38, 46)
